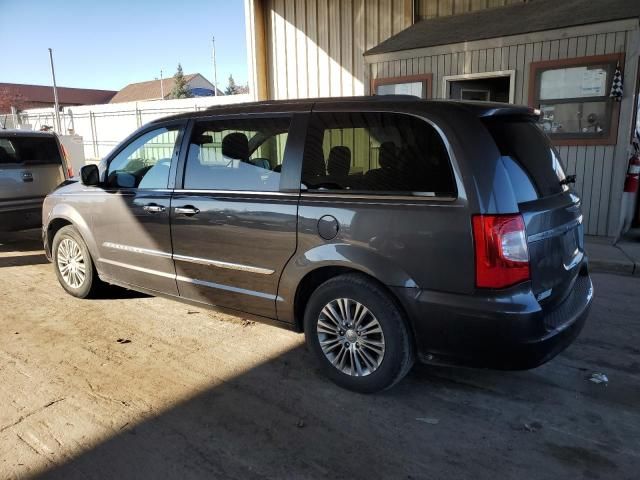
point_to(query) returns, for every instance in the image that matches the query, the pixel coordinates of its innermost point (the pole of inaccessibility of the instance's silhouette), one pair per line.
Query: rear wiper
(568, 179)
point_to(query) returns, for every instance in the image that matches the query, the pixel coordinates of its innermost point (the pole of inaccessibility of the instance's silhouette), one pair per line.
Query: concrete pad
(130, 386)
(632, 250)
(604, 257)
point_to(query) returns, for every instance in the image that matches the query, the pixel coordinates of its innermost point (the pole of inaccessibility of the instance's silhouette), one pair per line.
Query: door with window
(380, 180)
(132, 233)
(233, 228)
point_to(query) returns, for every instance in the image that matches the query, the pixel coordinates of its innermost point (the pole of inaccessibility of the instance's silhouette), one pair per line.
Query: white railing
(102, 127)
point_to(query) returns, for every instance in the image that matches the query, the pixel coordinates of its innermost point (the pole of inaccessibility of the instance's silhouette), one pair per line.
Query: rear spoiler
(528, 113)
(489, 110)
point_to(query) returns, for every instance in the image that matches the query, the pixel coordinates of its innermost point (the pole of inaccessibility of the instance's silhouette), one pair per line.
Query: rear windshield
(31, 150)
(531, 161)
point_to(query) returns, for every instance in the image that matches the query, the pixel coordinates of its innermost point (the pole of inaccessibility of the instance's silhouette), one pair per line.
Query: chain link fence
(102, 127)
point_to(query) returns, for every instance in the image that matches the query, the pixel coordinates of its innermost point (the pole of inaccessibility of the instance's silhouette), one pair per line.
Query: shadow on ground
(22, 260)
(112, 292)
(23, 241)
(282, 419)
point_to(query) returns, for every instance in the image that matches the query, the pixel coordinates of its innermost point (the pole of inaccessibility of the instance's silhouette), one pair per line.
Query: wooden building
(560, 56)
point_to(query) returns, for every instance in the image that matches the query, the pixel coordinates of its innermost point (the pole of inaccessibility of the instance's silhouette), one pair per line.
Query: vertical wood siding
(593, 165)
(315, 47)
(440, 8)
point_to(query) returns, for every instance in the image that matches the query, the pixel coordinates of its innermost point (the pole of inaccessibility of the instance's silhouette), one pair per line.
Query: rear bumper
(507, 330)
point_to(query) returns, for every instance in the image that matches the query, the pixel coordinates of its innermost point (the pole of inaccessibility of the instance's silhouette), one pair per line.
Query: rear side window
(236, 154)
(377, 153)
(30, 150)
(533, 164)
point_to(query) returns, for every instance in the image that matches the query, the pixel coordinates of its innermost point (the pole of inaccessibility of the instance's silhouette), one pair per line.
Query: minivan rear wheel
(358, 334)
(73, 264)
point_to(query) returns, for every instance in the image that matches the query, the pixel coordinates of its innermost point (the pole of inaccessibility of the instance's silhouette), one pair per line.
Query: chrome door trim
(228, 288)
(129, 248)
(138, 269)
(186, 258)
(220, 264)
(235, 192)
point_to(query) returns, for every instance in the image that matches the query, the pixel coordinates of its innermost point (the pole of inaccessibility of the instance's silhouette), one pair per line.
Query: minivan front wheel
(73, 264)
(358, 334)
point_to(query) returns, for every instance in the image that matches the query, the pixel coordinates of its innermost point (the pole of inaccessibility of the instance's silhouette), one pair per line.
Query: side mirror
(90, 175)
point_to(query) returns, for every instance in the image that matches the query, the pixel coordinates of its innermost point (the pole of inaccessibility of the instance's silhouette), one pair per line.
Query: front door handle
(153, 208)
(27, 177)
(187, 210)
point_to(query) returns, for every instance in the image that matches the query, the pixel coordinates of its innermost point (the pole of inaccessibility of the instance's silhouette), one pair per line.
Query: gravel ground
(130, 386)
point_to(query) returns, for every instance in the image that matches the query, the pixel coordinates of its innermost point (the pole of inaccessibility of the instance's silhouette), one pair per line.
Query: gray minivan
(32, 164)
(388, 229)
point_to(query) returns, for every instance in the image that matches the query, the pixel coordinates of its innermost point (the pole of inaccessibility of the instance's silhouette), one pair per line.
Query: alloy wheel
(351, 337)
(71, 264)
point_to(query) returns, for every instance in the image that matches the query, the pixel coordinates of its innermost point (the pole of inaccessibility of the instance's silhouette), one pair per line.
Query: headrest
(236, 146)
(387, 155)
(313, 164)
(339, 162)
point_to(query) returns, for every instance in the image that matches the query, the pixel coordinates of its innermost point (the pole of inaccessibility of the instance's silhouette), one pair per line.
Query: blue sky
(109, 44)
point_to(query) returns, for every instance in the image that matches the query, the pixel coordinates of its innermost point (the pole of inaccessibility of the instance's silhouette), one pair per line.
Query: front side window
(236, 155)
(146, 161)
(377, 153)
(573, 97)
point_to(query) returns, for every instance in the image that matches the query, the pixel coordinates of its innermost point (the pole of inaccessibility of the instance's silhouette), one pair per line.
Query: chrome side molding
(186, 258)
(220, 264)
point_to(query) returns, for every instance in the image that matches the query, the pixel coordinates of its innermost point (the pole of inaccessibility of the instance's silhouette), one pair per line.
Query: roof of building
(66, 95)
(151, 90)
(532, 16)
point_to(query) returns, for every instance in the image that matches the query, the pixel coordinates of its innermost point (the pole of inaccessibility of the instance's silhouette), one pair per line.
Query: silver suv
(32, 164)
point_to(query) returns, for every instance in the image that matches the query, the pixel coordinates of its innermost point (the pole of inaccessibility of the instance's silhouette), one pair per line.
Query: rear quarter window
(377, 153)
(29, 150)
(531, 161)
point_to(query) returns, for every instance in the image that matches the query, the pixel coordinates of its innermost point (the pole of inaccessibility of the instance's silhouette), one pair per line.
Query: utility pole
(55, 94)
(161, 87)
(215, 70)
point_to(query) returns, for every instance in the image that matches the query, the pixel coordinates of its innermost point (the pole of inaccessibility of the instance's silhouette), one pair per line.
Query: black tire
(90, 283)
(398, 356)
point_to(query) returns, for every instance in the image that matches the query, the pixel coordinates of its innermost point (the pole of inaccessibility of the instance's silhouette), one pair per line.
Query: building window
(417, 85)
(573, 97)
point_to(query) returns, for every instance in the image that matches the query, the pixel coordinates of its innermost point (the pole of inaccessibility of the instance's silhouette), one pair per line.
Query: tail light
(502, 255)
(65, 156)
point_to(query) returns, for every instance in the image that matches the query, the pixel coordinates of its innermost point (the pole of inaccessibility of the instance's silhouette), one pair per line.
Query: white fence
(102, 127)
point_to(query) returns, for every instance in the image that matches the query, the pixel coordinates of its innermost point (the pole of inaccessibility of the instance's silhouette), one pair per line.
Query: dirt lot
(140, 387)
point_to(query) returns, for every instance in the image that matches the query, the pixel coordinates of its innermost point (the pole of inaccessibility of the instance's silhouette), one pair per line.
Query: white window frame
(475, 76)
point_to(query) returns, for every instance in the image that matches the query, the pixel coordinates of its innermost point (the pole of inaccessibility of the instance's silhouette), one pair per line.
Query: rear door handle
(186, 210)
(27, 177)
(153, 208)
